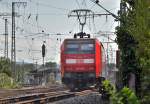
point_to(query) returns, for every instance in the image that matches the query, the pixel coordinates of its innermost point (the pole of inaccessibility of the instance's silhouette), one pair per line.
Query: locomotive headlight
(67, 75)
(91, 75)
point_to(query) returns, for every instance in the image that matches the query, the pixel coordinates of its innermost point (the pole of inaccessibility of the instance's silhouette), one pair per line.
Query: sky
(42, 20)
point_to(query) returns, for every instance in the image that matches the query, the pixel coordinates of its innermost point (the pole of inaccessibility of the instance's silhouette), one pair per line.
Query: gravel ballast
(88, 99)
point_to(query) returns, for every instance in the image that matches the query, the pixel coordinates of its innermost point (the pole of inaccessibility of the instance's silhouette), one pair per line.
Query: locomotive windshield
(80, 47)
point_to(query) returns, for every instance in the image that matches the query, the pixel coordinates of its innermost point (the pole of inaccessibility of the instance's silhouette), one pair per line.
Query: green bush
(125, 96)
(6, 81)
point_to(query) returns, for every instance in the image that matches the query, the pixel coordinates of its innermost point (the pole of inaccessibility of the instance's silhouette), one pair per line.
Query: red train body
(82, 62)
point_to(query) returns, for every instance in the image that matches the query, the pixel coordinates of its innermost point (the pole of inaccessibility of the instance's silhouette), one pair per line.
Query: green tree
(127, 45)
(5, 66)
(136, 27)
(141, 32)
(6, 80)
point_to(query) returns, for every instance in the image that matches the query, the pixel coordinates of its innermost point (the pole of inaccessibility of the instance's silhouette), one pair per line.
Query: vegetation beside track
(124, 96)
(133, 38)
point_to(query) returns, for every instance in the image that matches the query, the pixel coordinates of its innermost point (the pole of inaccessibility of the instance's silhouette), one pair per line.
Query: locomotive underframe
(78, 81)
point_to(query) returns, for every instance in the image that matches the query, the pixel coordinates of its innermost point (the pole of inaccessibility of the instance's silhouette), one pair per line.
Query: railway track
(40, 98)
(9, 93)
(43, 95)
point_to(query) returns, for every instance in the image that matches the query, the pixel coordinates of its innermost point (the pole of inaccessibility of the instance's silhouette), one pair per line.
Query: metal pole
(43, 61)
(6, 39)
(23, 70)
(13, 48)
(13, 43)
(36, 65)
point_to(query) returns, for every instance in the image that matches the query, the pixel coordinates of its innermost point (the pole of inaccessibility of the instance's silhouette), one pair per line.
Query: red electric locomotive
(82, 62)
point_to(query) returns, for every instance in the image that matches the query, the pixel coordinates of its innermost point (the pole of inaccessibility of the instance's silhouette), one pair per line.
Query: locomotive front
(81, 62)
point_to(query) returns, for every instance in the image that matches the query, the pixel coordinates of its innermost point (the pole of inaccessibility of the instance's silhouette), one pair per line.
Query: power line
(84, 3)
(97, 2)
(78, 3)
(51, 6)
(17, 27)
(55, 14)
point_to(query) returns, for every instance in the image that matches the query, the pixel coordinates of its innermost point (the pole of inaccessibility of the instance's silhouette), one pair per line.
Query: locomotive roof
(81, 39)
